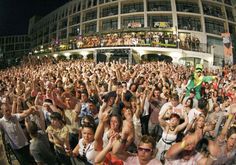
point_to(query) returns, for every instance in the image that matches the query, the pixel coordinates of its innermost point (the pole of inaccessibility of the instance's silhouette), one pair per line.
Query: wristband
(230, 116)
(183, 145)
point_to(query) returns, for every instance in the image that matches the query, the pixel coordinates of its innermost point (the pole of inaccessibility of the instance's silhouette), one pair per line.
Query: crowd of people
(79, 112)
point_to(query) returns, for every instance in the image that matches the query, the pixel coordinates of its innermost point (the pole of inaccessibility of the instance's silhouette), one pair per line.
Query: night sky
(15, 14)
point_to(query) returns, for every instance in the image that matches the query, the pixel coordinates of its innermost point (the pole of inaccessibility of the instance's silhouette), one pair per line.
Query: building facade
(187, 31)
(13, 47)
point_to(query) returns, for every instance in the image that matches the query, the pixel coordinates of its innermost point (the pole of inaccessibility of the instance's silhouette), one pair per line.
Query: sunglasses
(144, 149)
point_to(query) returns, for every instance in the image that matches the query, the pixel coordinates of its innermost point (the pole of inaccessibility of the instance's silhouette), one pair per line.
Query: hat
(192, 90)
(199, 68)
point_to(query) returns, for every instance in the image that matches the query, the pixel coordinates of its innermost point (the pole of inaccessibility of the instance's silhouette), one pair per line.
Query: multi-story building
(13, 47)
(187, 31)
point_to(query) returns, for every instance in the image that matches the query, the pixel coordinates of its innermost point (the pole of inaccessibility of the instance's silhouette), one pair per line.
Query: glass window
(161, 18)
(131, 8)
(90, 27)
(213, 10)
(159, 5)
(78, 7)
(109, 11)
(187, 6)
(127, 20)
(101, 1)
(214, 26)
(90, 15)
(63, 34)
(228, 2)
(229, 13)
(63, 24)
(109, 24)
(189, 23)
(232, 29)
(75, 20)
(214, 41)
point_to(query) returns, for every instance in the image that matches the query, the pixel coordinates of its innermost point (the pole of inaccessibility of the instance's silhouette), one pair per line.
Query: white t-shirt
(134, 161)
(89, 151)
(193, 113)
(178, 109)
(192, 161)
(14, 131)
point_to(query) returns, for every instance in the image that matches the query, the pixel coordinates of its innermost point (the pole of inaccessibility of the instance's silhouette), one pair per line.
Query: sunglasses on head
(144, 149)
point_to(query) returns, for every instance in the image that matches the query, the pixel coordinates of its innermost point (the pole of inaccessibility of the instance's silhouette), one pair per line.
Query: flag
(227, 44)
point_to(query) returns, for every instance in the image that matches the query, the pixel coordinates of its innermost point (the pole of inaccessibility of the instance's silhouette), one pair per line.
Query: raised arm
(100, 131)
(163, 123)
(228, 121)
(102, 155)
(184, 124)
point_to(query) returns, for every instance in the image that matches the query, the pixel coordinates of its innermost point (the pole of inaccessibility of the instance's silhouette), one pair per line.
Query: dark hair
(89, 125)
(175, 97)
(92, 100)
(175, 115)
(202, 103)
(148, 139)
(191, 102)
(32, 128)
(231, 131)
(90, 119)
(56, 115)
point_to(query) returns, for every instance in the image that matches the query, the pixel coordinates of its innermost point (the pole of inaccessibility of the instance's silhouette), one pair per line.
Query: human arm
(27, 112)
(177, 148)
(101, 155)
(162, 122)
(184, 124)
(100, 131)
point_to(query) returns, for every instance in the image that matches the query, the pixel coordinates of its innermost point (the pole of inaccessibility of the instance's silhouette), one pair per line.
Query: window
(90, 27)
(189, 23)
(157, 5)
(228, 2)
(229, 14)
(214, 26)
(78, 7)
(213, 10)
(128, 20)
(109, 24)
(90, 15)
(131, 8)
(75, 20)
(109, 11)
(161, 18)
(63, 24)
(187, 7)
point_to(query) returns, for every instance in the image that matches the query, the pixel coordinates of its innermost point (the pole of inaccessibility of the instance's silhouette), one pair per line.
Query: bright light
(84, 53)
(67, 54)
(35, 51)
(175, 54)
(55, 55)
(141, 52)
